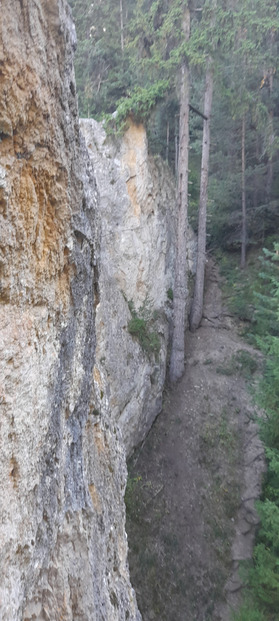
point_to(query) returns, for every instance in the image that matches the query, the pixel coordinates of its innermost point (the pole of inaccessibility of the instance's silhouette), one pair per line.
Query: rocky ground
(193, 482)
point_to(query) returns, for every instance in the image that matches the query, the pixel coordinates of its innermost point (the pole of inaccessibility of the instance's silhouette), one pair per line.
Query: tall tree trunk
(176, 145)
(181, 284)
(271, 138)
(256, 185)
(121, 25)
(197, 305)
(168, 142)
(269, 177)
(243, 193)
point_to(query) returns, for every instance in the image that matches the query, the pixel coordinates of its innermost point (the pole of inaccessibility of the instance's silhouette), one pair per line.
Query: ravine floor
(192, 484)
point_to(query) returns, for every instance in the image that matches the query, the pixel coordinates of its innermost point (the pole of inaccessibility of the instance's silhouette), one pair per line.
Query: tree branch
(205, 118)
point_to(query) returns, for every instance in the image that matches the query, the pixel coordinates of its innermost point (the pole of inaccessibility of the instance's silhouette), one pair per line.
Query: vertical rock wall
(137, 210)
(63, 544)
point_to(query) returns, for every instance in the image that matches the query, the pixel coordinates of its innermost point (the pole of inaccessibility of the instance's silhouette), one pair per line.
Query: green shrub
(248, 612)
(263, 574)
(239, 285)
(170, 294)
(137, 105)
(140, 326)
(228, 370)
(246, 363)
(242, 363)
(264, 578)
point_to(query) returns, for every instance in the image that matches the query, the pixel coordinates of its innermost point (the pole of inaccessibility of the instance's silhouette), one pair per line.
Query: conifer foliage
(102, 63)
(262, 575)
(130, 57)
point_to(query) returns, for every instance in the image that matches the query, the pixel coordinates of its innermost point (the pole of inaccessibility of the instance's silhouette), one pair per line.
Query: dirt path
(193, 483)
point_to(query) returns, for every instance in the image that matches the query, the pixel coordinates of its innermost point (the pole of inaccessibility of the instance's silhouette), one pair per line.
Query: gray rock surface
(137, 199)
(62, 466)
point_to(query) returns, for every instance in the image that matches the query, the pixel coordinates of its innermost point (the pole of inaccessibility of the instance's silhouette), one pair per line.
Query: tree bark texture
(121, 25)
(181, 284)
(271, 138)
(197, 305)
(168, 142)
(243, 192)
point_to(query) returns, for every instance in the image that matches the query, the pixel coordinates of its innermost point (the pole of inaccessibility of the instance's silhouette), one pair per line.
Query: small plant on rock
(140, 326)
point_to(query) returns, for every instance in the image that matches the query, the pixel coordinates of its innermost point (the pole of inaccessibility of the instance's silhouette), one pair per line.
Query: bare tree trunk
(121, 25)
(269, 178)
(197, 305)
(176, 146)
(255, 175)
(271, 138)
(181, 284)
(243, 193)
(168, 142)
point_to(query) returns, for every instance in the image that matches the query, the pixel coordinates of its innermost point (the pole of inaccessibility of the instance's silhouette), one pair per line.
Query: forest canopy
(128, 58)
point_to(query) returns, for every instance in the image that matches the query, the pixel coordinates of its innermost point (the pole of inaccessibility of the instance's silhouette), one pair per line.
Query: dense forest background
(133, 56)
(130, 52)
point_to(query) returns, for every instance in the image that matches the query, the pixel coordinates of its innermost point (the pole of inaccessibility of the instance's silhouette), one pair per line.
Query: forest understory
(193, 483)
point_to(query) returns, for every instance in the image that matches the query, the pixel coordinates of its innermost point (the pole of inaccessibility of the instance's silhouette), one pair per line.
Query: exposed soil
(193, 482)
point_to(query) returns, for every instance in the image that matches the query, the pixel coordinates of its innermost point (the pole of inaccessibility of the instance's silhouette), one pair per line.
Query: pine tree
(263, 575)
(197, 304)
(102, 64)
(243, 123)
(180, 287)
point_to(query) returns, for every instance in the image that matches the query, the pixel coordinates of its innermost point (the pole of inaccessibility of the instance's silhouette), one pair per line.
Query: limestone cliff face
(137, 203)
(63, 544)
